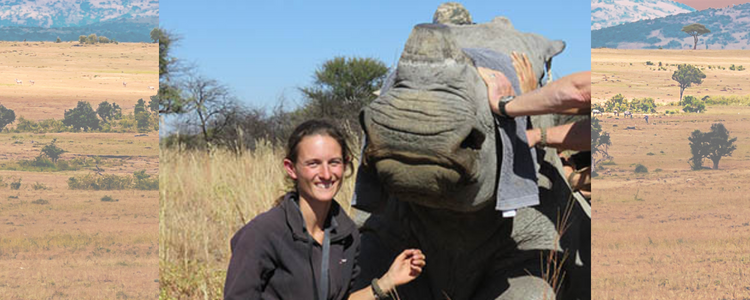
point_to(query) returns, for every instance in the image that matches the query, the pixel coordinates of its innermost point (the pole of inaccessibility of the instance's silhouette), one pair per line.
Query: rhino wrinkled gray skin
(431, 157)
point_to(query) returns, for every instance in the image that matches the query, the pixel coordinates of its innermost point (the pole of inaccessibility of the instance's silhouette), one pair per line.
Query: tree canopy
(687, 75)
(692, 104)
(695, 30)
(343, 86)
(170, 100)
(713, 145)
(7, 116)
(82, 116)
(52, 151)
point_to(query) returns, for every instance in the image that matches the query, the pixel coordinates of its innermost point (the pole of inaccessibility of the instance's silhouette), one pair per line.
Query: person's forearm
(530, 104)
(573, 136)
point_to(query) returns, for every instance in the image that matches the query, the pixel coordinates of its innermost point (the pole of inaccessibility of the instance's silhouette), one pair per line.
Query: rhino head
(430, 135)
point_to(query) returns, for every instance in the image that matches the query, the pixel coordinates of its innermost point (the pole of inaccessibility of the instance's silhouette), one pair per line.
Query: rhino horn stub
(432, 43)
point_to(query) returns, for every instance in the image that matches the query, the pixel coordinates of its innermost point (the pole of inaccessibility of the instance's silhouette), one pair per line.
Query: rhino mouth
(416, 176)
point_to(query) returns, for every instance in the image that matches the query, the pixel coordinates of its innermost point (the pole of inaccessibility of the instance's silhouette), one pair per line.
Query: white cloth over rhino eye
(517, 176)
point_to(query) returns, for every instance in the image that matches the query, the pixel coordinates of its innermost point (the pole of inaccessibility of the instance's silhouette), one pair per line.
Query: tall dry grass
(204, 199)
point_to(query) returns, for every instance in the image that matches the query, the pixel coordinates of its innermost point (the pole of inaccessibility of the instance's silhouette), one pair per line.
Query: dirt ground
(625, 72)
(76, 246)
(65, 73)
(670, 233)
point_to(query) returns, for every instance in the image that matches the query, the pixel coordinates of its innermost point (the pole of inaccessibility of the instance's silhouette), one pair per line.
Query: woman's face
(319, 168)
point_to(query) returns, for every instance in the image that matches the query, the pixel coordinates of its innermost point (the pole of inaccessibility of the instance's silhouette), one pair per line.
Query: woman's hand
(526, 77)
(405, 268)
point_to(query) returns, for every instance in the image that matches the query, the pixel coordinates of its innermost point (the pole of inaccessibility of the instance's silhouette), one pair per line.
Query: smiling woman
(307, 229)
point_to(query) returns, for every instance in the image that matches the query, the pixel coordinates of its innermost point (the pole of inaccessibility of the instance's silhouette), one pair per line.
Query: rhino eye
(474, 140)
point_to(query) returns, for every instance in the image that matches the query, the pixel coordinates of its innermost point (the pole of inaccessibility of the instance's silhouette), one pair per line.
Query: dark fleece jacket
(274, 257)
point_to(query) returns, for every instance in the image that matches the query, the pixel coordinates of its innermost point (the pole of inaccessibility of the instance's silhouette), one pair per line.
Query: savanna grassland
(671, 233)
(626, 72)
(205, 199)
(63, 243)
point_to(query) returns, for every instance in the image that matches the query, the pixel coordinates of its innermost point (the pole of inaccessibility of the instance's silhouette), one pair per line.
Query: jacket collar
(341, 225)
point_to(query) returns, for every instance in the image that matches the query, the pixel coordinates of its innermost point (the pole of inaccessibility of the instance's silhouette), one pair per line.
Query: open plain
(670, 233)
(58, 243)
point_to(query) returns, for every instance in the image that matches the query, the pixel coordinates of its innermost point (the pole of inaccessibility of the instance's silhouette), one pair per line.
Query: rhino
(429, 174)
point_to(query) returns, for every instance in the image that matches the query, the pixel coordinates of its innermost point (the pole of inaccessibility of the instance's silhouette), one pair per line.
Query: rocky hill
(608, 13)
(729, 30)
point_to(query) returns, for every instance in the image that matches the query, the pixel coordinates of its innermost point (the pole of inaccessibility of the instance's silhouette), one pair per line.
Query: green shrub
(108, 199)
(649, 63)
(15, 185)
(608, 163)
(732, 67)
(40, 201)
(650, 153)
(39, 186)
(639, 168)
(740, 68)
(658, 170)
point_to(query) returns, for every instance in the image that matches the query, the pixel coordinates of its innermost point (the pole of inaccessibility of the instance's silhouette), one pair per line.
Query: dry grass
(685, 235)
(639, 80)
(56, 243)
(205, 199)
(65, 74)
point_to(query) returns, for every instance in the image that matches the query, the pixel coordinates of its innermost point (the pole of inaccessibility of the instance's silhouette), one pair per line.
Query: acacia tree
(695, 30)
(52, 151)
(713, 145)
(7, 116)
(105, 111)
(600, 143)
(207, 102)
(692, 104)
(687, 75)
(343, 86)
(82, 116)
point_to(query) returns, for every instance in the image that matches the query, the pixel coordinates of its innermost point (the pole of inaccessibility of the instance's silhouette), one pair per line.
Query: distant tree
(156, 34)
(600, 143)
(58, 40)
(7, 116)
(82, 39)
(695, 30)
(82, 116)
(103, 40)
(143, 121)
(153, 104)
(687, 75)
(92, 39)
(116, 111)
(139, 107)
(343, 86)
(692, 104)
(105, 111)
(52, 151)
(713, 145)
(614, 103)
(170, 98)
(207, 102)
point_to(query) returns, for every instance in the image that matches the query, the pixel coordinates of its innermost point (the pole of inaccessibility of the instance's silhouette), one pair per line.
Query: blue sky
(263, 50)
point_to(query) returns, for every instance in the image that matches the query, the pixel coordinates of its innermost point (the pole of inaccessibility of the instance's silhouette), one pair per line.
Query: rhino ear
(556, 47)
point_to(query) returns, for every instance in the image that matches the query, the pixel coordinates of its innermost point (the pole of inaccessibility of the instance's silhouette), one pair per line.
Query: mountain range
(608, 13)
(46, 20)
(729, 30)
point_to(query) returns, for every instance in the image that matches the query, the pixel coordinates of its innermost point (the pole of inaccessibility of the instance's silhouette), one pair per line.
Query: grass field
(670, 233)
(57, 243)
(205, 199)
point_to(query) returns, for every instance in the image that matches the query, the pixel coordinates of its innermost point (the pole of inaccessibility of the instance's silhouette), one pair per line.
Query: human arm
(249, 266)
(572, 136)
(570, 94)
(405, 268)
